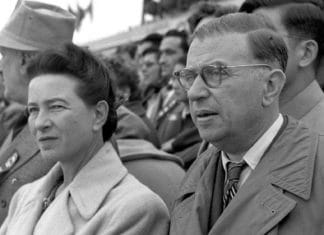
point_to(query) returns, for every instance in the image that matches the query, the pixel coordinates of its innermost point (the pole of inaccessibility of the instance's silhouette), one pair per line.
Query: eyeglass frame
(176, 74)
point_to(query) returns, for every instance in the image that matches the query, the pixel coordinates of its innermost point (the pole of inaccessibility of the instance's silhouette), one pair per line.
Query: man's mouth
(205, 114)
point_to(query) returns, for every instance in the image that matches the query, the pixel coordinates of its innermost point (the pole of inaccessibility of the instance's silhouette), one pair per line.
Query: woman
(89, 191)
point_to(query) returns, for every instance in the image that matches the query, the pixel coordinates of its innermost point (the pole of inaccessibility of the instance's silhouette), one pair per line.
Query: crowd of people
(215, 130)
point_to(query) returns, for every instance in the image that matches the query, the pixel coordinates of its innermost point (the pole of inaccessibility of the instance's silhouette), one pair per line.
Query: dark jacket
(283, 195)
(160, 171)
(131, 126)
(21, 163)
(138, 108)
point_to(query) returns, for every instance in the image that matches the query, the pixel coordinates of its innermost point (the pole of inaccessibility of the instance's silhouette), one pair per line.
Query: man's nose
(198, 89)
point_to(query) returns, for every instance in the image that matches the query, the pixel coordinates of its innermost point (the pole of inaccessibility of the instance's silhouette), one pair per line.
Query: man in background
(302, 27)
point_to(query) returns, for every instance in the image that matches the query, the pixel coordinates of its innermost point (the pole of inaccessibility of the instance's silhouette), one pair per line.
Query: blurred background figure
(184, 139)
(204, 11)
(12, 116)
(152, 81)
(301, 24)
(152, 40)
(129, 95)
(3, 104)
(173, 47)
(137, 139)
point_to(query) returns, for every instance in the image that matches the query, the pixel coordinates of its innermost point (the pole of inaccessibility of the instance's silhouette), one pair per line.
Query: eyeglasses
(212, 75)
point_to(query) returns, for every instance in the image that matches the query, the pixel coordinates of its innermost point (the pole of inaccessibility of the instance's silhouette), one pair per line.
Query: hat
(36, 26)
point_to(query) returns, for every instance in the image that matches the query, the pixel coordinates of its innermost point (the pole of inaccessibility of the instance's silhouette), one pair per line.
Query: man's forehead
(228, 48)
(143, 46)
(170, 42)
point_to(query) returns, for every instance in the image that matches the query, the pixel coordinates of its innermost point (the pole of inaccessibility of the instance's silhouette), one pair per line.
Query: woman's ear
(274, 83)
(101, 113)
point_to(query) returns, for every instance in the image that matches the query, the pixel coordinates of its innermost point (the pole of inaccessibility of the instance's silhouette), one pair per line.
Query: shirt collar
(253, 156)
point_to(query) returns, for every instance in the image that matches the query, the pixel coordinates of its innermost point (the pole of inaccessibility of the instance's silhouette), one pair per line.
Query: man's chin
(165, 74)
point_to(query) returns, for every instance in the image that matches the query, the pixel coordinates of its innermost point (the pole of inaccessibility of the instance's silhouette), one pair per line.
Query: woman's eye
(32, 110)
(56, 107)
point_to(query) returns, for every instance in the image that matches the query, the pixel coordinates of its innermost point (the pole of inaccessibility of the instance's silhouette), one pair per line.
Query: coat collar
(93, 183)
(292, 171)
(303, 102)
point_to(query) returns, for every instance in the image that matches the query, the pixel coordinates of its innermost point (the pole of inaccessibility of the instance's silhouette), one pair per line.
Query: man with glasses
(302, 27)
(259, 175)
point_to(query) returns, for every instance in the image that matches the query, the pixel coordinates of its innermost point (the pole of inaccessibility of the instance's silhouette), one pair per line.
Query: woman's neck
(71, 168)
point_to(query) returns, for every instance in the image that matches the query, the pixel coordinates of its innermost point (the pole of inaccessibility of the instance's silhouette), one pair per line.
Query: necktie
(231, 185)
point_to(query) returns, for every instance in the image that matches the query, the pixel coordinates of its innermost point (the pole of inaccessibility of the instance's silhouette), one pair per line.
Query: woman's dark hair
(93, 76)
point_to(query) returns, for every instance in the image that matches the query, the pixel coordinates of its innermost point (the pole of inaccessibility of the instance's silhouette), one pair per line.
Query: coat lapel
(59, 217)
(192, 207)
(57, 212)
(31, 204)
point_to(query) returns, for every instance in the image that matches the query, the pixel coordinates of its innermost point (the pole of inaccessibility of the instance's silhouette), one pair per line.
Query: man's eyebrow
(214, 62)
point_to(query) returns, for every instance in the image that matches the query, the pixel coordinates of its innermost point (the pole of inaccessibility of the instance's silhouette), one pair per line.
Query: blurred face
(179, 92)
(150, 69)
(292, 64)
(15, 83)
(62, 124)
(141, 48)
(228, 112)
(1, 86)
(171, 52)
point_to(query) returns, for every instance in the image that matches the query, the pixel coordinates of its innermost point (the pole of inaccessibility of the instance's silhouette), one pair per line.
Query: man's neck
(300, 82)
(236, 148)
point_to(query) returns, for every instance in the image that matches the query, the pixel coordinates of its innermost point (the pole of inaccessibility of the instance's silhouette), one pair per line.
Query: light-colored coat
(283, 195)
(102, 199)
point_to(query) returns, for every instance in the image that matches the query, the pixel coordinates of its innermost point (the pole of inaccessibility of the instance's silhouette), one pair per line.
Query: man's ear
(307, 52)
(274, 82)
(101, 112)
(25, 58)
